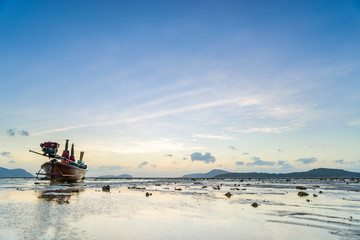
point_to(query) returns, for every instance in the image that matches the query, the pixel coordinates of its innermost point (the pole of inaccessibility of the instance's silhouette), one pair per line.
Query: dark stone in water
(302, 194)
(255, 205)
(301, 188)
(106, 188)
(315, 195)
(228, 194)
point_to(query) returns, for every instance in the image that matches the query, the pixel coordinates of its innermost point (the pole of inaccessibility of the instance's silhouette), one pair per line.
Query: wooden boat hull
(62, 172)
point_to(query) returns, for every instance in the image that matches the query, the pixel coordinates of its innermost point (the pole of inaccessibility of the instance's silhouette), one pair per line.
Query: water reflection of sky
(83, 211)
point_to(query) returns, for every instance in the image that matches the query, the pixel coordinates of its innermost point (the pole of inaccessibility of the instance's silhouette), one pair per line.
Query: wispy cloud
(218, 137)
(143, 146)
(340, 161)
(207, 158)
(353, 123)
(169, 155)
(5, 154)
(24, 133)
(239, 163)
(13, 132)
(233, 148)
(267, 129)
(136, 117)
(143, 164)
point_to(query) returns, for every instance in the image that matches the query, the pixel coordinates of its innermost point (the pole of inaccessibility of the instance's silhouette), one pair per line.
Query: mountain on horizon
(4, 172)
(314, 173)
(119, 176)
(210, 174)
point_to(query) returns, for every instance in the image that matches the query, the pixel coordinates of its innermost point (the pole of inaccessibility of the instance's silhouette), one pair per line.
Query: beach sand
(180, 209)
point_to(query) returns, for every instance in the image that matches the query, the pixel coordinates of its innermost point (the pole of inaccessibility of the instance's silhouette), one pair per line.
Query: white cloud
(207, 158)
(258, 162)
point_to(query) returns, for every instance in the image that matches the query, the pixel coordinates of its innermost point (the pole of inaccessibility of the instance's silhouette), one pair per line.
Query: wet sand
(180, 209)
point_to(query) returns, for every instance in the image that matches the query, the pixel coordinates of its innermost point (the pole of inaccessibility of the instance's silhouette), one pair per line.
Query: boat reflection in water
(59, 193)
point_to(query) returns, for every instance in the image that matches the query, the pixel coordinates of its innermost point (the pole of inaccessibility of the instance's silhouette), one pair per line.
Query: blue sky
(165, 88)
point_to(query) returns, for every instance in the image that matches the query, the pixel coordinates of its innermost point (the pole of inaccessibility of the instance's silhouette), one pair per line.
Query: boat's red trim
(56, 174)
(64, 164)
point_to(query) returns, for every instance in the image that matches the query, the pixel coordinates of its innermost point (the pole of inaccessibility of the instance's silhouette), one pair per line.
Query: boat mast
(66, 151)
(72, 158)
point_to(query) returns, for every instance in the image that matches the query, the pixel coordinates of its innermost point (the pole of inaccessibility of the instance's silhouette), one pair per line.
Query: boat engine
(50, 148)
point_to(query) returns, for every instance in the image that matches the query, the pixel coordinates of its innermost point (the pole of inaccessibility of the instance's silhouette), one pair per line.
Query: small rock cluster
(106, 188)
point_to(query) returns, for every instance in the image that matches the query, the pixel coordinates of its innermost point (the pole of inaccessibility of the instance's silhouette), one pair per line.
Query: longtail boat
(62, 168)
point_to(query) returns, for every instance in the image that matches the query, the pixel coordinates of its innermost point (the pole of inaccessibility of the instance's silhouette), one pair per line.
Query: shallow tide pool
(180, 209)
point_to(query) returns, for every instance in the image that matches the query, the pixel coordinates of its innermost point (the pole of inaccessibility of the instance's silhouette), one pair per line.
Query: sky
(167, 88)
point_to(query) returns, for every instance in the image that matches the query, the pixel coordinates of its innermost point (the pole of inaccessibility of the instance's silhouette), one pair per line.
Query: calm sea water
(179, 209)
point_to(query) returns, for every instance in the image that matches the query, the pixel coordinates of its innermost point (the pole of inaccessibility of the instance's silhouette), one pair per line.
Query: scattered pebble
(255, 205)
(302, 194)
(228, 194)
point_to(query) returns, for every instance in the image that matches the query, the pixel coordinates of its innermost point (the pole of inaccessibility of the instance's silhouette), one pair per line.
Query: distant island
(211, 174)
(118, 176)
(4, 173)
(314, 173)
